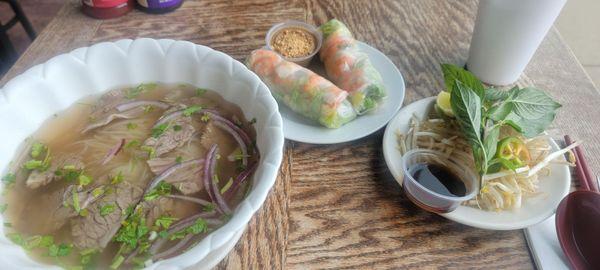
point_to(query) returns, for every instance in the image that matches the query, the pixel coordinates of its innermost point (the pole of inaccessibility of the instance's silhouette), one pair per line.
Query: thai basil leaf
(466, 105)
(490, 141)
(494, 94)
(531, 103)
(499, 112)
(453, 73)
(530, 127)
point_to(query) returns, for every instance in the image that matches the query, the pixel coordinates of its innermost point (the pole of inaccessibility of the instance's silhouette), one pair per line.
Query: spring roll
(350, 68)
(304, 91)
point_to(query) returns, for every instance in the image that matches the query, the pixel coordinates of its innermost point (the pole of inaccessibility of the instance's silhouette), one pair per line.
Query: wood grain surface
(338, 206)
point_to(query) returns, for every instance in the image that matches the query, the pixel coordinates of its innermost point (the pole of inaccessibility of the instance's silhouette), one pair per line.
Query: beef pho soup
(134, 176)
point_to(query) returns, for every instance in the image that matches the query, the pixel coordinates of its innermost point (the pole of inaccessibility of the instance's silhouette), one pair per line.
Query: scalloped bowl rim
(178, 54)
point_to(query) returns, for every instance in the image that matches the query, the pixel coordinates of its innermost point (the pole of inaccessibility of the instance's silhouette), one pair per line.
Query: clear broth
(28, 209)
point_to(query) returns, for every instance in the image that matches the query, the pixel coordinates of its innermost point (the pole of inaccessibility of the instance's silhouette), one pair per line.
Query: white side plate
(533, 210)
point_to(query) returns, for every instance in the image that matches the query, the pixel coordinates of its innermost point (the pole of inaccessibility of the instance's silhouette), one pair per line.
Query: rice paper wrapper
(350, 68)
(304, 91)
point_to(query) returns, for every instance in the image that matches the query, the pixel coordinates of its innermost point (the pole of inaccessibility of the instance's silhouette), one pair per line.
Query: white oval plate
(533, 210)
(298, 128)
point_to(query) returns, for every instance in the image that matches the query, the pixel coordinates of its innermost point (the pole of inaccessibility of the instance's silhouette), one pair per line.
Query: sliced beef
(186, 176)
(172, 137)
(159, 207)
(214, 135)
(111, 116)
(38, 178)
(58, 206)
(106, 104)
(159, 165)
(95, 230)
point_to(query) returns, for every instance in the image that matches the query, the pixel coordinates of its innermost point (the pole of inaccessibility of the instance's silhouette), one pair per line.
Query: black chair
(8, 54)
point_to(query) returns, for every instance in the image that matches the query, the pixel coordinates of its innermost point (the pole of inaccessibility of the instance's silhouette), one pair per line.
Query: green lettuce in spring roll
(350, 68)
(304, 91)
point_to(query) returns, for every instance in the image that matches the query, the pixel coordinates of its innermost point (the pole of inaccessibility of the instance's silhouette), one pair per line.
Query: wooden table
(338, 206)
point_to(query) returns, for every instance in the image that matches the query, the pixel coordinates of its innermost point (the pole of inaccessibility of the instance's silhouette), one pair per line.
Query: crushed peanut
(293, 42)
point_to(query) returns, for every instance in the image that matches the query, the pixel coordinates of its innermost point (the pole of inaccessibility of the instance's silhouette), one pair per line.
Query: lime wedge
(443, 102)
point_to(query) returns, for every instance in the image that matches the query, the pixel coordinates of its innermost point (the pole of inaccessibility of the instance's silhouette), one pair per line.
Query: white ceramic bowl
(32, 97)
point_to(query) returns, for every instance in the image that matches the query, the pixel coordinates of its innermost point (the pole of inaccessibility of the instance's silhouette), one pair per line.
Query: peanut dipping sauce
(293, 42)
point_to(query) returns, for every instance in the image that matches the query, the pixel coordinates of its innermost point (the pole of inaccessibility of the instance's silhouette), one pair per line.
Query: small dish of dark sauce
(439, 179)
(437, 183)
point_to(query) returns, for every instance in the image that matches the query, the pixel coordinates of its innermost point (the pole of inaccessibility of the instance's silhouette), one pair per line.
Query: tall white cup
(506, 35)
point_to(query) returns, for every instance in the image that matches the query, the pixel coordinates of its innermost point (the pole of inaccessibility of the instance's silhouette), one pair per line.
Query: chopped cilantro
(84, 180)
(9, 179)
(148, 108)
(3, 208)
(177, 127)
(34, 165)
(131, 126)
(163, 234)
(253, 121)
(191, 110)
(136, 91)
(46, 241)
(200, 226)
(200, 91)
(209, 207)
(86, 256)
(159, 130)
(150, 150)
(69, 175)
(164, 222)
(205, 117)
(97, 192)
(178, 159)
(37, 149)
(132, 144)
(162, 189)
(61, 250)
(117, 178)
(107, 209)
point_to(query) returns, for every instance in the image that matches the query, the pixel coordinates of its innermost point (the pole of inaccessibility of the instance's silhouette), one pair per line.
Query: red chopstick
(583, 171)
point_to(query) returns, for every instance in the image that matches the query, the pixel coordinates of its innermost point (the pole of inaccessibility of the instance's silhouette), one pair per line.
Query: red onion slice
(171, 170)
(241, 178)
(113, 152)
(134, 104)
(180, 225)
(237, 138)
(190, 199)
(210, 185)
(174, 249)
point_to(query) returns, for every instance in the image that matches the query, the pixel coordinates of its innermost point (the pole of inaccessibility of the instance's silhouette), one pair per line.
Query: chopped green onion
(117, 262)
(191, 110)
(227, 185)
(84, 180)
(200, 91)
(164, 222)
(117, 178)
(107, 209)
(131, 126)
(159, 130)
